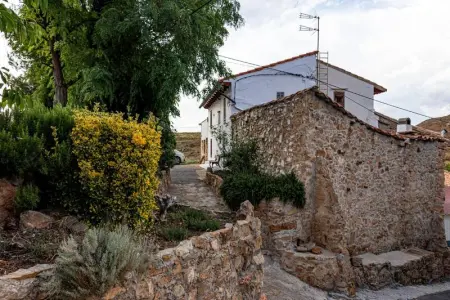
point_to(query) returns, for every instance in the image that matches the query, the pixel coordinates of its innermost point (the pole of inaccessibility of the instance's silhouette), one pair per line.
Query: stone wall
(224, 264)
(214, 181)
(367, 190)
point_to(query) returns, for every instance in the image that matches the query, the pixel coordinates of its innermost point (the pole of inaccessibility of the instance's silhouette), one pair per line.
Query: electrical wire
(201, 6)
(330, 85)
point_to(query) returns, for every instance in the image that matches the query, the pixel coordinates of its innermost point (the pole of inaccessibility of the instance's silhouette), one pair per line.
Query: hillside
(437, 124)
(189, 144)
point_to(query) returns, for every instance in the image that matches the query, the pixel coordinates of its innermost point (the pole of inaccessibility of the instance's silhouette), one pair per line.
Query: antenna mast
(321, 72)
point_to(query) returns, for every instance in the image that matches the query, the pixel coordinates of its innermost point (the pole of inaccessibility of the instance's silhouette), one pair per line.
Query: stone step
(410, 266)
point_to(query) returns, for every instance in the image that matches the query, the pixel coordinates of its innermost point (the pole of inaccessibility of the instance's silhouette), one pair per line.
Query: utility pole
(321, 73)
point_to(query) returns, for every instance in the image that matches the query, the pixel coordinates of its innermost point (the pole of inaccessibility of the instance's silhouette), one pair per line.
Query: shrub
(30, 141)
(27, 198)
(118, 161)
(174, 233)
(244, 180)
(199, 220)
(101, 261)
(21, 155)
(447, 167)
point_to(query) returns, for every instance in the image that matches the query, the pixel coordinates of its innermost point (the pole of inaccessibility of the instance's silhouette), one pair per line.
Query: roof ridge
(341, 109)
(270, 65)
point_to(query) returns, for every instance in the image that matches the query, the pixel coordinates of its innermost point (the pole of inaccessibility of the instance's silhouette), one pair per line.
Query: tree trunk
(58, 77)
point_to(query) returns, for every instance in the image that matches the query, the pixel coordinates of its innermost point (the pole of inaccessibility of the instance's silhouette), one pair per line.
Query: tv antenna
(321, 70)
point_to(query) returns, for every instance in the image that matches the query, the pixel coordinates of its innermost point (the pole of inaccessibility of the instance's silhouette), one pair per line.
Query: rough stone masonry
(224, 264)
(367, 190)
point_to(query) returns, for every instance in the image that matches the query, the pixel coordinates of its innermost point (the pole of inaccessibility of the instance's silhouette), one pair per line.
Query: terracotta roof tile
(340, 108)
(270, 65)
(377, 89)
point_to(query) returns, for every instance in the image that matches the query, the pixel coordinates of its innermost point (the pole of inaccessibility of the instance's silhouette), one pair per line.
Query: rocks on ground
(35, 220)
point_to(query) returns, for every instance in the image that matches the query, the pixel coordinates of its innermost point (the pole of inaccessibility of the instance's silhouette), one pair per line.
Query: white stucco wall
(359, 105)
(204, 129)
(262, 86)
(216, 108)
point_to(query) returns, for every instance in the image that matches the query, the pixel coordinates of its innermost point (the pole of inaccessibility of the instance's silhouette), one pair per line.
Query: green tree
(131, 56)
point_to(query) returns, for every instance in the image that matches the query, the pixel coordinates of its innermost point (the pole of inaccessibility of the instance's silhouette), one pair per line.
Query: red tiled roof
(270, 65)
(214, 95)
(340, 108)
(377, 89)
(208, 100)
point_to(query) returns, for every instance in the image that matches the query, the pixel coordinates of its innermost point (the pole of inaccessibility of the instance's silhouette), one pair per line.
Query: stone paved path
(189, 188)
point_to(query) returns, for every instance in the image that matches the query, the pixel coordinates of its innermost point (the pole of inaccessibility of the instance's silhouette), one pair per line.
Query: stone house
(372, 195)
(263, 84)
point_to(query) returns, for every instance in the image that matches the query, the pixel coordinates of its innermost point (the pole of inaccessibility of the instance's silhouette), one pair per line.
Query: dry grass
(189, 144)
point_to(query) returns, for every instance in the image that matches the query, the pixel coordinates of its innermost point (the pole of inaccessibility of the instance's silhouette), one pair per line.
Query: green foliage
(27, 198)
(118, 161)
(174, 233)
(35, 145)
(243, 179)
(447, 167)
(20, 155)
(94, 51)
(101, 261)
(198, 220)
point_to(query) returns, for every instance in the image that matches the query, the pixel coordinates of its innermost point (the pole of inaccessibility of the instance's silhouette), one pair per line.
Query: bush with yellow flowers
(118, 162)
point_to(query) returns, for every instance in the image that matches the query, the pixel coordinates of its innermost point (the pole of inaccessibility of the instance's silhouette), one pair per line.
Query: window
(210, 147)
(210, 119)
(280, 95)
(224, 110)
(339, 97)
(218, 117)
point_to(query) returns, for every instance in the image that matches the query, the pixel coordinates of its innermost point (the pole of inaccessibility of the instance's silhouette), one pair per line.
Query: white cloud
(402, 45)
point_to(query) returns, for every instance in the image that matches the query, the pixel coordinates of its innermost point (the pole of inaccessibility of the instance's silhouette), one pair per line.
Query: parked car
(179, 157)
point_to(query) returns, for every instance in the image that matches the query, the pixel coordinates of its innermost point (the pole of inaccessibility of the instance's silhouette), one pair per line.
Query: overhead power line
(201, 6)
(331, 85)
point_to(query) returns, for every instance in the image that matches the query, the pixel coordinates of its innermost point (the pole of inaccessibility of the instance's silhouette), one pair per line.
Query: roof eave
(215, 94)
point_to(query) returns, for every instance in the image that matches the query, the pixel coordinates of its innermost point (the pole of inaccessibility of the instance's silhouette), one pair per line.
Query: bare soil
(24, 248)
(189, 144)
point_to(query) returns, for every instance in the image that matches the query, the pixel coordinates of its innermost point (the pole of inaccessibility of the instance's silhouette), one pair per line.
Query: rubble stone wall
(224, 264)
(367, 190)
(215, 181)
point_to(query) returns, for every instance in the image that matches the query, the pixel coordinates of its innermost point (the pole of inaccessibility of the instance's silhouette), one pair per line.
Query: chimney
(404, 125)
(444, 132)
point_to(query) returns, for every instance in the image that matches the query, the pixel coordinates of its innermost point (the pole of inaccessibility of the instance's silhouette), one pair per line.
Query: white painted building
(284, 78)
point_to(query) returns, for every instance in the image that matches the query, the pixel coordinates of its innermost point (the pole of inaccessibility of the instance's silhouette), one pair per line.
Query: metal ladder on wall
(322, 70)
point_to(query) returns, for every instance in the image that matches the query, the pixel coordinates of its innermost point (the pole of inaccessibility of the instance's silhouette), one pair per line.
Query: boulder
(7, 195)
(73, 225)
(246, 210)
(35, 220)
(24, 284)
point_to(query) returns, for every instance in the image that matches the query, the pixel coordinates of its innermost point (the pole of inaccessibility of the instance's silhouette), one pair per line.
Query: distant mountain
(437, 124)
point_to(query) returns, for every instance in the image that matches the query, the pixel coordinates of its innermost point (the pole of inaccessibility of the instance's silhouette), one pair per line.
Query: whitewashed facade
(284, 78)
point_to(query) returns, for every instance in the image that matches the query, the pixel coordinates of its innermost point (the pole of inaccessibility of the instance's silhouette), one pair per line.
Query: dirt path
(188, 186)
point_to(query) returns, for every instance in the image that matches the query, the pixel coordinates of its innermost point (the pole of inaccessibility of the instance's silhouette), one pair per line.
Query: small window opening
(339, 97)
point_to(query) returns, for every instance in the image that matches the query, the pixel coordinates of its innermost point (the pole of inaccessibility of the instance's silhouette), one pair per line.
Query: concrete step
(410, 266)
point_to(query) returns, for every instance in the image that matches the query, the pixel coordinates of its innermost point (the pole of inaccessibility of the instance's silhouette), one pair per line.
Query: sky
(402, 45)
